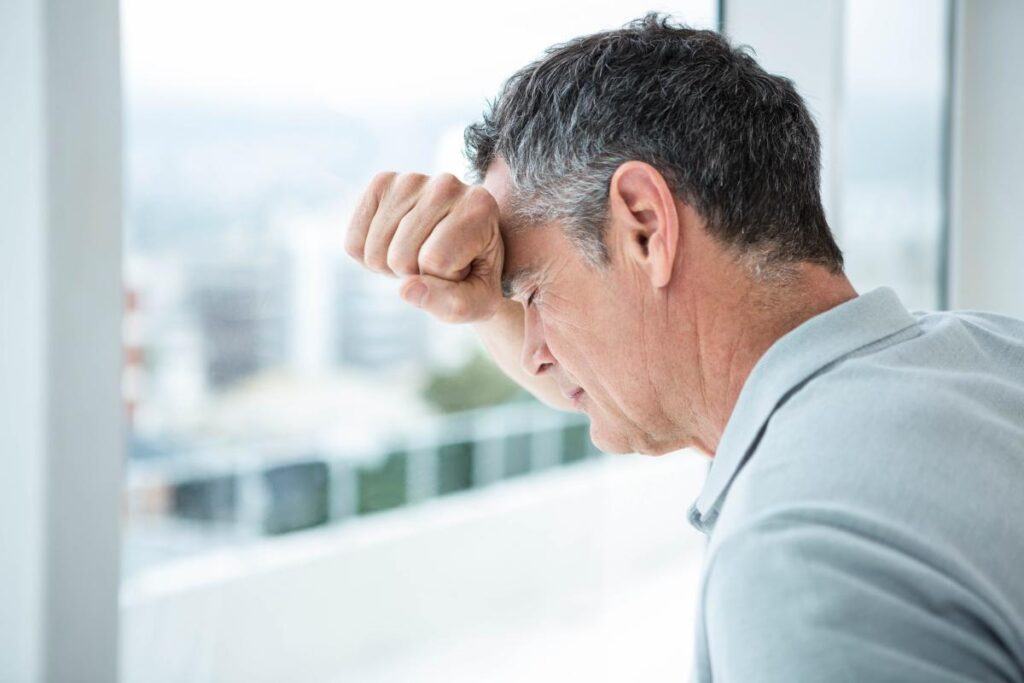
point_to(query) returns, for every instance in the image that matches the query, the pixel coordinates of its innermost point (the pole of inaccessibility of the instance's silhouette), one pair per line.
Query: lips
(570, 392)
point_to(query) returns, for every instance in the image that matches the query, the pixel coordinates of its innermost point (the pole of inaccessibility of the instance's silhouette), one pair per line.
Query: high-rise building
(241, 311)
(375, 328)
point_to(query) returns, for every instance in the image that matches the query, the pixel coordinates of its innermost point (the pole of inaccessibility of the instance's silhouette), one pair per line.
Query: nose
(537, 357)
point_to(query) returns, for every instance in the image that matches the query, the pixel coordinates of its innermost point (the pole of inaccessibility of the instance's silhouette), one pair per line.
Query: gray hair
(730, 139)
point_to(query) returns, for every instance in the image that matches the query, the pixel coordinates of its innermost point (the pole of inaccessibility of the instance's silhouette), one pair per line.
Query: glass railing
(222, 493)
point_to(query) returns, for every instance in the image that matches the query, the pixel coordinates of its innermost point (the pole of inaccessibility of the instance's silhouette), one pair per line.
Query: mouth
(575, 396)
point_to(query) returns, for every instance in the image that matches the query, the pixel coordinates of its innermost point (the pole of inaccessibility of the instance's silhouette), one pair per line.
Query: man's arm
(808, 595)
(443, 237)
(502, 336)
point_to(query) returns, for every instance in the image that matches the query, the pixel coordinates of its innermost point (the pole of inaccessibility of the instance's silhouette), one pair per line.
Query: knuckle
(443, 187)
(402, 252)
(447, 183)
(406, 223)
(480, 205)
(407, 183)
(376, 259)
(402, 263)
(479, 197)
(381, 181)
(432, 261)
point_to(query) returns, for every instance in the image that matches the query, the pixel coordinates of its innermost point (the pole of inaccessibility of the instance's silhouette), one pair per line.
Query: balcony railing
(256, 489)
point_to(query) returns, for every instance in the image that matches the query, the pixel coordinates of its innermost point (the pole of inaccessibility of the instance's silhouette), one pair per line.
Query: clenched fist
(437, 232)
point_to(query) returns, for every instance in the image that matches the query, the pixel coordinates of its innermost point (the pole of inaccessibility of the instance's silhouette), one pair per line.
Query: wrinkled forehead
(519, 266)
(514, 219)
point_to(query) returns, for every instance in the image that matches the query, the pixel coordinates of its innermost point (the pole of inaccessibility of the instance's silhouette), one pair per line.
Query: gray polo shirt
(866, 504)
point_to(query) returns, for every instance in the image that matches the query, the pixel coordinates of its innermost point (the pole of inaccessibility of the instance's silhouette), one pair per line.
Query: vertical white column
(987, 232)
(61, 421)
(22, 342)
(802, 41)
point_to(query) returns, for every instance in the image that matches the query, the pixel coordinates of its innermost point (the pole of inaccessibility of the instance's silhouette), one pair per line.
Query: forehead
(498, 182)
(529, 254)
(528, 248)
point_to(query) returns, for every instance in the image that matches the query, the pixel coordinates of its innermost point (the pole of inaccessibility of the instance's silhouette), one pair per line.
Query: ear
(644, 220)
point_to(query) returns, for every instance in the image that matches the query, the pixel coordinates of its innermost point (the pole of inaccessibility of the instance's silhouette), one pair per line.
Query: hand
(440, 234)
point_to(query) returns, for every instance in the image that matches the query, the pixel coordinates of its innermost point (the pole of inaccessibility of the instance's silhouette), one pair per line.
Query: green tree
(475, 384)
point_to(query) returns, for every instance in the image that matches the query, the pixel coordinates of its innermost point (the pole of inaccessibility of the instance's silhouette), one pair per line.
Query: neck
(736, 325)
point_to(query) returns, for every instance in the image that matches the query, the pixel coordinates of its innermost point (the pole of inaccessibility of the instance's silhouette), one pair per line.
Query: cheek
(589, 337)
(584, 356)
(569, 346)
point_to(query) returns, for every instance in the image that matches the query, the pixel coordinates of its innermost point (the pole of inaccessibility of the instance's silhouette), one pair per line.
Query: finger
(470, 300)
(460, 237)
(366, 207)
(416, 226)
(401, 195)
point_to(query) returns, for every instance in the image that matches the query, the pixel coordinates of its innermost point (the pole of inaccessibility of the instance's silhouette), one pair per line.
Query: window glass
(892, 158)
(324, 483)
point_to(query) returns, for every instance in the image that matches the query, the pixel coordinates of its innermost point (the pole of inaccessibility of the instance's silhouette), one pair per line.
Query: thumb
(469, 300)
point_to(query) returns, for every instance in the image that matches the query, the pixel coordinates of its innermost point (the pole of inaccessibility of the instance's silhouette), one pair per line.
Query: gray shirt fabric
(865, 506)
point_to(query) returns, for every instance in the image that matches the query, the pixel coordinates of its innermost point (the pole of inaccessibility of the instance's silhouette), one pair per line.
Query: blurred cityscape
(262, 363)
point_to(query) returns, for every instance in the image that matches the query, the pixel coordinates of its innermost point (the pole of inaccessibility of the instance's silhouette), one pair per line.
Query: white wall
(988, 158)
(61, 443)
(503, 561)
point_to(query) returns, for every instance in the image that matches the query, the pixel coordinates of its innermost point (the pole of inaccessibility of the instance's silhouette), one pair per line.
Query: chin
(663, 447)
(615, 442)
(656, 450)
(609, 443)
(620, 443)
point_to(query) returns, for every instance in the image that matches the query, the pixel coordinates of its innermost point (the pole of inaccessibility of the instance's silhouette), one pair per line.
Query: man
(649, 207)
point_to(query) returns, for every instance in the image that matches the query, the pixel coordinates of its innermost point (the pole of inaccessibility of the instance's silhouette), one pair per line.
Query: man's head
(643, 173)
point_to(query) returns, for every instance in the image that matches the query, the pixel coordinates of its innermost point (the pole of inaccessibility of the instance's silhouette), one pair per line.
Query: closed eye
(533, 294)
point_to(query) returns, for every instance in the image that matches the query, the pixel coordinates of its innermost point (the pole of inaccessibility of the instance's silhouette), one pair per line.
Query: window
(892, 148)
(319, 473)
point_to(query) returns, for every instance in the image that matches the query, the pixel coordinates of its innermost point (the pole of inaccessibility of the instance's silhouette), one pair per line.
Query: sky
(354, 57)
(895, 46)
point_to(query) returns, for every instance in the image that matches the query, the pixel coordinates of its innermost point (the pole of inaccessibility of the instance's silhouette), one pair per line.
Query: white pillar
(987, 231)
(61, 416)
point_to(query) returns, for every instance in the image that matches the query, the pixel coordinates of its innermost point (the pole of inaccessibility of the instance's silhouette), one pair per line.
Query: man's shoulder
(881, 486)
(897, 432)
(957, 372)
(984, 324)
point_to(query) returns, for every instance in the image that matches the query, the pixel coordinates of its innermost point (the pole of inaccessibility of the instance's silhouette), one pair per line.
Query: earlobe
(648, 219)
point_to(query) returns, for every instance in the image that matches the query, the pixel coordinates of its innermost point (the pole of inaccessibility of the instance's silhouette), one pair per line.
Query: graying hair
(730, 139)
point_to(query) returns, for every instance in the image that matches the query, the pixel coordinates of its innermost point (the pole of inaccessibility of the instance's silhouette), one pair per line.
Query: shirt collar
(790, 361)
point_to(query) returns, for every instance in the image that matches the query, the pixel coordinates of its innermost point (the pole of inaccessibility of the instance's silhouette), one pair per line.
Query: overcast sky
(354, 56)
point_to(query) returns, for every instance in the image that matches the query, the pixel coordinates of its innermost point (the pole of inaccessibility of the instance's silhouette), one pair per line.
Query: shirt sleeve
(792, 597)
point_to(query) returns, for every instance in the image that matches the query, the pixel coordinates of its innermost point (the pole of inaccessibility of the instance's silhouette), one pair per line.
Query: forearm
(502, 335)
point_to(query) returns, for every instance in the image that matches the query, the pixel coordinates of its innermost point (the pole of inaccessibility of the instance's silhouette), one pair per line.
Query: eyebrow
(511, 283)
